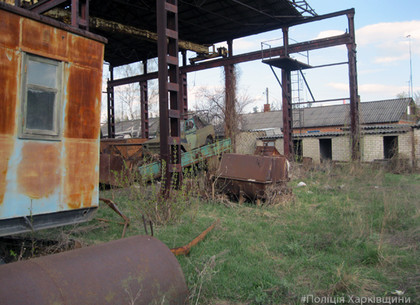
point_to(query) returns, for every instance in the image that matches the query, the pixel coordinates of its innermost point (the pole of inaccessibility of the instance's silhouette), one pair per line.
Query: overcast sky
(383, 59)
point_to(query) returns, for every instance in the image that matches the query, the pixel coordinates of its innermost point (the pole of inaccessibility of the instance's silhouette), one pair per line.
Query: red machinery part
(134, 270)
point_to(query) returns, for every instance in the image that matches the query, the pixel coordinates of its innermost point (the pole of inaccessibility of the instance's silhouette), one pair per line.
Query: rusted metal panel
(250, 175)
(253, 168)
(119, 158)
(39, 172)
(84, 104)
(39, 177)
(6, 148)
(86, 52)
(43, 39)
(128, 148)
(135, 270)
(82, 173)
(9, 67)
(266, 151)
(9, 25)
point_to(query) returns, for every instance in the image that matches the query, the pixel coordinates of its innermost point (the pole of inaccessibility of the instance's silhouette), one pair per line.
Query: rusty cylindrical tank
(134, 270)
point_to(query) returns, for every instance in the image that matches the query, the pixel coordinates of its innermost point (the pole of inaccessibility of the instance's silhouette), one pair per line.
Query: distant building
(388, 128)
(334, 118)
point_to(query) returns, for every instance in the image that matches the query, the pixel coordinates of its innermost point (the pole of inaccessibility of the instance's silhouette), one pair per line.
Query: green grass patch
(350, 231)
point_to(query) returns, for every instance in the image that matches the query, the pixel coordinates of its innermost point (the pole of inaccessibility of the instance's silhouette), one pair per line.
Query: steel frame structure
(170, 109)
(173, 102)
(347, 39)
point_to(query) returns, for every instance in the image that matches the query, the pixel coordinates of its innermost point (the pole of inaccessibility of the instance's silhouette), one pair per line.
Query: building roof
(365, 130)
(202, 22)
(131, 128)
(374, 112)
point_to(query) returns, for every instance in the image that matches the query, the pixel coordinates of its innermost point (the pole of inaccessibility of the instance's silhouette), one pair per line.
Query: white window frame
(42, 134)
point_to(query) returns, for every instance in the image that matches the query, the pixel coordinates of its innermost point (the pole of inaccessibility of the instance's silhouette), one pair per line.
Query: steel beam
(320, 17)
(44, 6)
(236, 59)
(119, 28)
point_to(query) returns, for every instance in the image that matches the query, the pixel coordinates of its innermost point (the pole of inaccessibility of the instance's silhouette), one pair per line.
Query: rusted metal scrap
(114, 207)
(118, 159)
(134, 270)
(269, 151)
(184, 250)
(249, 176)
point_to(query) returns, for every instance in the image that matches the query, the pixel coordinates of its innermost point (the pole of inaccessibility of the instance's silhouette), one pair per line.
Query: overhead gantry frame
(173, 79)
(347, 39)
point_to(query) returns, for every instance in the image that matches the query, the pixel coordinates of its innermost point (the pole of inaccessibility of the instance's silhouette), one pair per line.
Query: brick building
(388, 128)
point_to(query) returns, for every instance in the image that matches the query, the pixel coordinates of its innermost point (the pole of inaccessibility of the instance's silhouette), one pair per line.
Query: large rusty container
(134, 270)
(250, 175)
(50, 109)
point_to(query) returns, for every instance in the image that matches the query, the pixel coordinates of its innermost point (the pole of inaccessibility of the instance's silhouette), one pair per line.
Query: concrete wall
(372, 147)
(404, 145)
(341, 150)
(311, 149)
(246, 142)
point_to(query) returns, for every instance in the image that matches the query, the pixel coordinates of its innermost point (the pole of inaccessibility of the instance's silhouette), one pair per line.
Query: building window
(325, 149)
(390, 147)
(41, 86)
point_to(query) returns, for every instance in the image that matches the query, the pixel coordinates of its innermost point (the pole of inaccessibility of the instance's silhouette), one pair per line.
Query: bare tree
(211, 105)
(127, 97)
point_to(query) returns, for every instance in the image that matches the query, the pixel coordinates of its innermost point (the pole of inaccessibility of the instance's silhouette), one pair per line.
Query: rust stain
(83, 105)
(44, 39)
(86, 52)
(6, 148)
(9, 25)
(81, 164)
(9, 65)
(38, 173)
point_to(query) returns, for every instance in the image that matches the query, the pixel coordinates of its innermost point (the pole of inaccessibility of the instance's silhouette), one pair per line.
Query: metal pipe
(134, 270)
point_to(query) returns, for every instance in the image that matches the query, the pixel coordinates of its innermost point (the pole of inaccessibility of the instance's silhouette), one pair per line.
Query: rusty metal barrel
(134, 270)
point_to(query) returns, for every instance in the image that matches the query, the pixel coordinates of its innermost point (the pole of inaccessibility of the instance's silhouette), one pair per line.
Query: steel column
(170, 134)
(184, 87)
(286, 80)
(354, 96)
(230, 88)
(111, 105)
(144, 105)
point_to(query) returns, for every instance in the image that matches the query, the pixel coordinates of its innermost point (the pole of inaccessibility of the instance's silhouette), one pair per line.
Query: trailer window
(41, 98)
